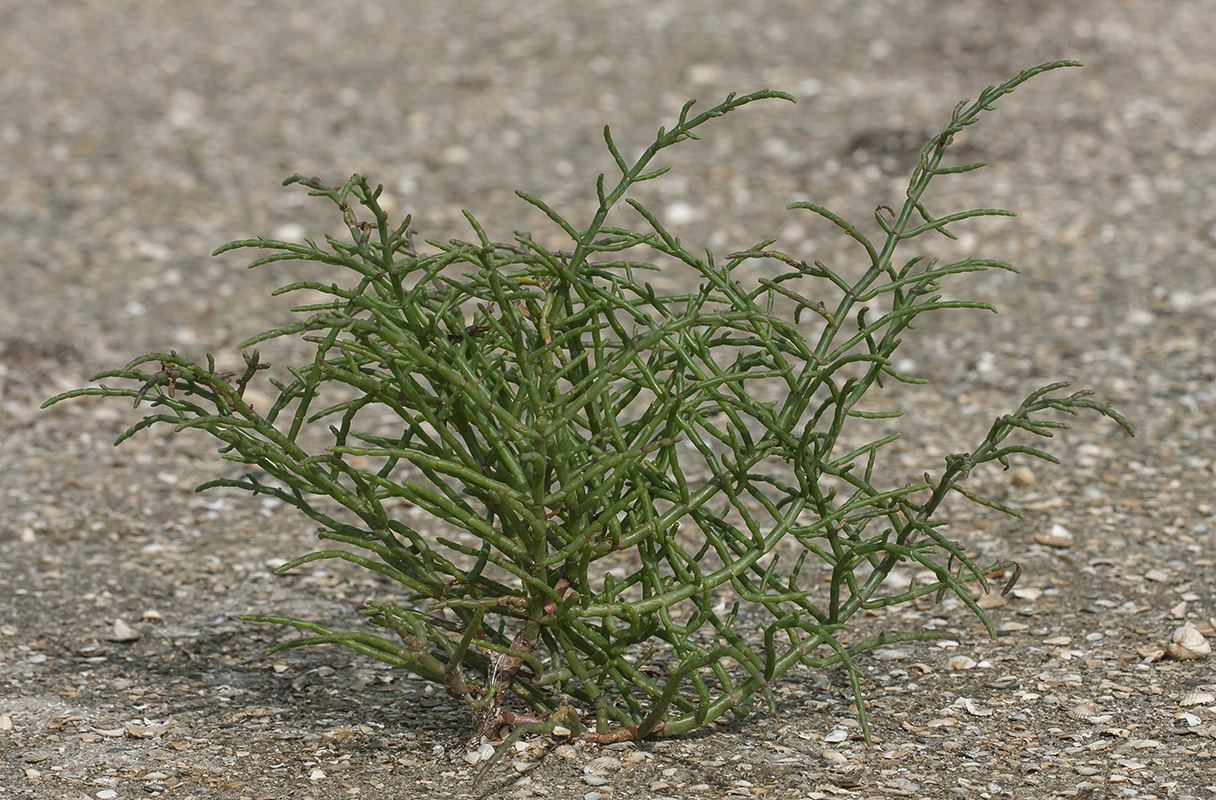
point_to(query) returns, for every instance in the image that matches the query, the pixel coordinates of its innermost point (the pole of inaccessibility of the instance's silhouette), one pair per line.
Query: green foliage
(615, 476)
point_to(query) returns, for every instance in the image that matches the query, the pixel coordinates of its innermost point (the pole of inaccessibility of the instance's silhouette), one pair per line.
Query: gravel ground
(139, 135)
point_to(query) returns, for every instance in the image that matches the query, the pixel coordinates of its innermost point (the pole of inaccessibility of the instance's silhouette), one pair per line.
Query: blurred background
(139, 135)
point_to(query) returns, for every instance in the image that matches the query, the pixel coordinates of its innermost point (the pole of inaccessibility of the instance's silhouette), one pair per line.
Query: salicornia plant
(613, 474)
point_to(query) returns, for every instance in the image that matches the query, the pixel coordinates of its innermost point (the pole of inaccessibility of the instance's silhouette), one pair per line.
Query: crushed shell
(1197, 697)
(1083, 710)
(1187, 644)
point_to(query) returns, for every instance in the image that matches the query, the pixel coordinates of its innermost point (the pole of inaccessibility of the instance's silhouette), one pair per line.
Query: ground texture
(138, 135)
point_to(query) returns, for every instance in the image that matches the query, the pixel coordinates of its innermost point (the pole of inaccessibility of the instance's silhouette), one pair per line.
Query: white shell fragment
(1197, 697)
(483, 753)
(596, 773)
(1187, 644)
(1059, 536)
(1087, 711)
(122, 632)
(973, 708)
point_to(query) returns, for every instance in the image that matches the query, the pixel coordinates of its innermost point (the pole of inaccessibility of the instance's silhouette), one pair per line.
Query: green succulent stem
(588, 497)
